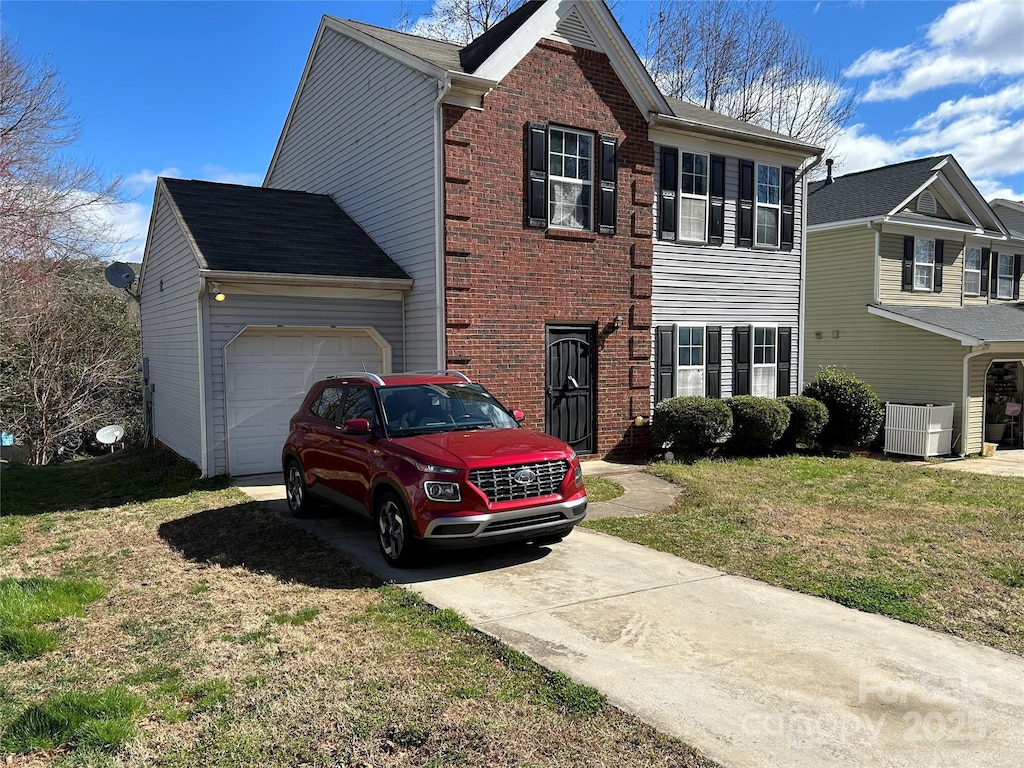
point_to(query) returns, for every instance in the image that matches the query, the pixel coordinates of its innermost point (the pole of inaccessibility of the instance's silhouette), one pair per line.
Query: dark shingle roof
(1001, 321)
(867, 193)
(476, 53)
(255, 229)
(688, 111)
(441, 54)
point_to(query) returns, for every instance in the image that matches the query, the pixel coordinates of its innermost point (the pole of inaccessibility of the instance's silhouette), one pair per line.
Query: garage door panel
(268, 373)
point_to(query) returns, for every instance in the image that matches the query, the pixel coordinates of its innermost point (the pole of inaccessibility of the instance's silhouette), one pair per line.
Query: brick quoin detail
(512, 279)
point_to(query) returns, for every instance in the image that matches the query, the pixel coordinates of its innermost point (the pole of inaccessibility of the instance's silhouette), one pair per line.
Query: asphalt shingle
(1001, 321)
(255, 229)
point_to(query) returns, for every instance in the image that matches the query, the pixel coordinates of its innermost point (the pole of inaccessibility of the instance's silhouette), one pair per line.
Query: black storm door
(570, 384)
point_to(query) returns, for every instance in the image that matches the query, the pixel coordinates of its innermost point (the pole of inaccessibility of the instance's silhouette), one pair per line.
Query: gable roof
(256, 229)
(1003, 321)
(715, 123)
(478, 50)
(865, 194)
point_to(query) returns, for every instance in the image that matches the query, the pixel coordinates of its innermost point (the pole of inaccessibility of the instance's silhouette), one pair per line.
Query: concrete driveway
(750, 674)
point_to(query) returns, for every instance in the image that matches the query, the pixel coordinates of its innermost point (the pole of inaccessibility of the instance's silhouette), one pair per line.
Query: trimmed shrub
(807, 417)
(757, 423)
(855, 413)
(691, 425)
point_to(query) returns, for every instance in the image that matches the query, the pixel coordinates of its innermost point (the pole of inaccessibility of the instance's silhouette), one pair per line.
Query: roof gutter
(277, 278)
(672, 123)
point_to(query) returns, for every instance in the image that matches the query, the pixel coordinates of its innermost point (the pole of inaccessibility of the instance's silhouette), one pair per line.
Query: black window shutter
(995, 274)
(784, 358)
(986, 256)
(668, 212)
(713, 361)
(745, 206)
(716, 225)
(1016, 276)
(788, 207)
(664, 363)
(606, 201)
(537, 174)
(741, 360)
(937, 287)
(908, 263)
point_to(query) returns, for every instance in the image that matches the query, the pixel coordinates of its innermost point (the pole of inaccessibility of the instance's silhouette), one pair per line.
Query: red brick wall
(506, 280)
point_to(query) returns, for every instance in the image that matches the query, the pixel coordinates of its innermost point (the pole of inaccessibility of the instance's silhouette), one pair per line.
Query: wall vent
(926, 203)
(573, 30)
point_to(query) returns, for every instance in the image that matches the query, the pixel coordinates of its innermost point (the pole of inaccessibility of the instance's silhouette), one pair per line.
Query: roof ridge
(245, 186)
(892, 165)
(394, 31)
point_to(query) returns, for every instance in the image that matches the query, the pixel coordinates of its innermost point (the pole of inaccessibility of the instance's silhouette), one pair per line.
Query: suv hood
(472, 449)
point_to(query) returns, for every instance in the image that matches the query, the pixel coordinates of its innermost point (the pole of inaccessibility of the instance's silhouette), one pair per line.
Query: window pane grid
(924, 264)
(769, 197)
(1004, 276)
(693, 204)
(690, 360)
(570, 173)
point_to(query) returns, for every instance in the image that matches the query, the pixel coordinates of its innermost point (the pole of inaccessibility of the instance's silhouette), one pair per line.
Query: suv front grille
(499, 483)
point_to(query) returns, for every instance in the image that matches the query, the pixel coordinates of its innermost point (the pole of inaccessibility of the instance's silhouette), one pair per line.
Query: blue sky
(201, 89)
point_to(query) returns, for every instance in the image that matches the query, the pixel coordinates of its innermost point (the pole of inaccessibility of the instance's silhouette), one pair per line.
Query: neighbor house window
(769, 196)
(924, 264)
(570, 178)
(689, 360)
(764, 370)
(693, 197)
(972, 271)
(1004, 276)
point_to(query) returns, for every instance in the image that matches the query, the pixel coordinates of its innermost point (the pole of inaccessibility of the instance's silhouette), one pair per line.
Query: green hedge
(690, 426)
(807, 418)
(757, 424)
(855, 412)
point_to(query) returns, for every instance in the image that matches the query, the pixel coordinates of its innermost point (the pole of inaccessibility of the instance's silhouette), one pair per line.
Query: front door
(569, 386)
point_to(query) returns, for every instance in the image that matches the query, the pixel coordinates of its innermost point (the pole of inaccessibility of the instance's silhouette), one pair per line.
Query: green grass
(602, 489)
(936, 548)
(24, 603)
(295, 619)
(101, 720)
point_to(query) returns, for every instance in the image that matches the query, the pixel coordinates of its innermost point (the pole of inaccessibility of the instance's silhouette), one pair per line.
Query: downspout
(201, 329)
(443, 86)
(878, 261)
(966, 396)
(801, 324)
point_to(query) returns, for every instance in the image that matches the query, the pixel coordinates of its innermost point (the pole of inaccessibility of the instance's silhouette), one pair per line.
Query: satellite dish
(110, 435)
(119, 274)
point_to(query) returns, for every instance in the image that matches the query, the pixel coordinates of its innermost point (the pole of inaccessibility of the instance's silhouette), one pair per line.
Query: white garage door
(267, 374)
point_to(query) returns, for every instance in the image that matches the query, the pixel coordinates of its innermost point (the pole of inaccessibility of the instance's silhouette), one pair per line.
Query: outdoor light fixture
(218, 294)
(617, 322)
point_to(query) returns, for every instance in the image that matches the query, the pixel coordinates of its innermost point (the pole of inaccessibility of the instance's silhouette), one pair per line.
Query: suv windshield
(418, 409)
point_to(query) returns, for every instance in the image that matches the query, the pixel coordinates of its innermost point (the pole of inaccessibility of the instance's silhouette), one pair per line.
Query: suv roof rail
(456, 374)
(358, 374)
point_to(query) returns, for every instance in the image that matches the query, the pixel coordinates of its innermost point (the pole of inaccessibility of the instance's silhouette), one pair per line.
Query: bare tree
(459, 21)
(68, 346)
(739, 59)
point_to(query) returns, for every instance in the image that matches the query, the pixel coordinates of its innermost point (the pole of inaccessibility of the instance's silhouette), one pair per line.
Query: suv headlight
(442, 491)
(578, 475)
(434, 469)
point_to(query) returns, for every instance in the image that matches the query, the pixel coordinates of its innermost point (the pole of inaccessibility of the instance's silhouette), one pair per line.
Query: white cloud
(971, 41)
(145, 180)
(225, 176)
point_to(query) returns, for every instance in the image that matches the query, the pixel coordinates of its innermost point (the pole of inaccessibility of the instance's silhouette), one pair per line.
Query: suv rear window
(326, 404)
(359, 405)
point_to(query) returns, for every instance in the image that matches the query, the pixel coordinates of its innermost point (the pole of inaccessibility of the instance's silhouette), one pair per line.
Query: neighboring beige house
(913, 285)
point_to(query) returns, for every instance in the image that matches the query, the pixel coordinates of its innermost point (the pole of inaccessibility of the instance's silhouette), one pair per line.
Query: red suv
(433, 459)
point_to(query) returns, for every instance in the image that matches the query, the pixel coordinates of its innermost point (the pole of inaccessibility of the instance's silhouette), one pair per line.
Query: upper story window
(924, 264)
(572, 179)
(972, 271)
(689, 360)
(570, 176)
(1004, 276)
(693, 196)
(763, 379)
(769, 199)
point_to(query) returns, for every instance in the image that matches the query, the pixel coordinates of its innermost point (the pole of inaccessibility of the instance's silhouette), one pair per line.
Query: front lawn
(183, 625)
(941, 549)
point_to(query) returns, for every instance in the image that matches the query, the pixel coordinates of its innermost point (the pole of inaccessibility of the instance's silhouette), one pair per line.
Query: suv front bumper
(497, 527)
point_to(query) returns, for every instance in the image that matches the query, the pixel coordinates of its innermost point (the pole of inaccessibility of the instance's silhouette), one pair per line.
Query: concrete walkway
(752, 675)
(1006, 463)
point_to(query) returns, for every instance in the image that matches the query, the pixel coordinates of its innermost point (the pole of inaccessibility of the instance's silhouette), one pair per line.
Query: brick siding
(505, 280)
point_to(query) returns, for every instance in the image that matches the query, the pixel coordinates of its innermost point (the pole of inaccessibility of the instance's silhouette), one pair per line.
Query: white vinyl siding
(728, 286)
(170, 333)
(360, 109)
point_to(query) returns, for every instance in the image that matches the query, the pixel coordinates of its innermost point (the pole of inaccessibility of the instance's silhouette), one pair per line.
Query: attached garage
(267, 372)
(248, 296)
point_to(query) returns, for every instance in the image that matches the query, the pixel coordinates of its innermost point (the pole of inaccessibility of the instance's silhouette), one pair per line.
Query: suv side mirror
(518, 415)
(357, 426)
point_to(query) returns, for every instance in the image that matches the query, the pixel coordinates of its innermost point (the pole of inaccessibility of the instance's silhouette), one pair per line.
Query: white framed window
(1004, 276)
(764, 361)
(689, 360)
(570, 178)
(972, 271)
(769, 198)
(924, 264)
(693, 197)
